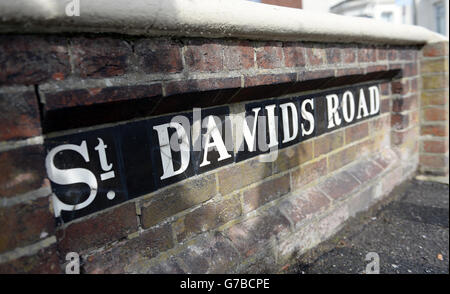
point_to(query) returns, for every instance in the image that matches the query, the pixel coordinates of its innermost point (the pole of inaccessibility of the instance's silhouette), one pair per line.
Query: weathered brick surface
(24, 224)
(207, 217)
(100, 57)
(433, 161)
(434, 65)
(27, 59)
(293, 156)
(356, 132)
(129, 256)
(308, 173)
(177, 198)
(22, 170)
(434, 82)
(230, 178)
(238, 55)
(349, 55)
(204, 56)
(439, 97)
(333, 55)
(405, 104)
(159, 56)
(367, 54)
(269, 55)
(210, 254)
(435, 146)
(294, 55)
(269, 79)
(188, 86)
(45, 261)
(328, 142)
(339, 185)
(99, 229)
(435, 49)
(89, 96)
(434, 130)
(399, 121)
(252, 234)
(304, 205)
(435, 114)
(365, 170)
(19, 115)
(266, 192)
(316, 56)
(347, 155)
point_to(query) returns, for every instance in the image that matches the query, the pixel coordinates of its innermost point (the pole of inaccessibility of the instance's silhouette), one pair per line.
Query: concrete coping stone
(202, 18)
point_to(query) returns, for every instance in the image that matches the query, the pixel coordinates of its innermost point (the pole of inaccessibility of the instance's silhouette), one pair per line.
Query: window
(386, 16)
(439, 14)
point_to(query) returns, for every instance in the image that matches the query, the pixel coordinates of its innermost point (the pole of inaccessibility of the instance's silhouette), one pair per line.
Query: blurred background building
(431, 14)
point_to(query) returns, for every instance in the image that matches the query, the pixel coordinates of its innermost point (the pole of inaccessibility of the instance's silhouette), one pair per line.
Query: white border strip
(203, 18)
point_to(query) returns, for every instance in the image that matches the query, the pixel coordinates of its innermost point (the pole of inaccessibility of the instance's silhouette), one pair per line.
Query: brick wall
(250, 216)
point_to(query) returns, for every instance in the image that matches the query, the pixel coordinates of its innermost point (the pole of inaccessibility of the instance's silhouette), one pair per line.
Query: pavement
(409, 234)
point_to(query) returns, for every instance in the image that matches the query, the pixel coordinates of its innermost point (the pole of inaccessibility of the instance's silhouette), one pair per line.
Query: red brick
(207, 217)
(405, 104)
(382, 53)
(413, 84)
(177, 198)
(266, 192)
(435, 49)
(367, 55)
(90, 96)
(349, 55)
(410, 69)
(270, 55)
(333, 55)
(269, 79)
(100, 57)
(339, 185)
(98, 230)
(316, 56)
(204, 56)
(252, 234)
(435, 114)
(399, 87)
(356, 132)
(376, 68)
(399, 121)
(407, 54)
(433, 161)
(308, 173)
(304, 205)
(328, 143)
(385, 105)
(392, 54)
(19, 116)
(32, 59)
(435, 146)
(439, 97)
(22, 170)
(294, 55)
(434, 130)
(365, 171)
(385, 158)
(399, 137)
(45, 261)
(238, 55)
(159, 56)
(385, 89)
(23, 224)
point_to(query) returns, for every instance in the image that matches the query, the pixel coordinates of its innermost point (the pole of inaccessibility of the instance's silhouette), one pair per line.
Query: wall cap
(204, 18)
